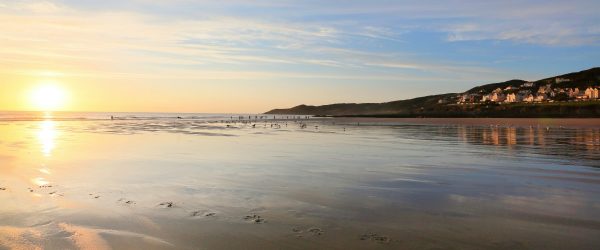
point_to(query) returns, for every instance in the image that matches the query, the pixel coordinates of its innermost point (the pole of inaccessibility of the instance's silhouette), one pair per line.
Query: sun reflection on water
(47, 137)
(40, 181)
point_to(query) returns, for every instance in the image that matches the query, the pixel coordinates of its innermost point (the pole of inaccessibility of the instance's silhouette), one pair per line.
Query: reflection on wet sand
(47, 136)
(570, 142)
(170, 184)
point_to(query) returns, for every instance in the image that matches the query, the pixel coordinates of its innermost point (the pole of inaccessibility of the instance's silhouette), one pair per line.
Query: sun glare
(48, 97)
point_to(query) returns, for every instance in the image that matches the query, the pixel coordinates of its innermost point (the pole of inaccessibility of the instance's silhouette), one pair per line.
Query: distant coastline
(573, 95)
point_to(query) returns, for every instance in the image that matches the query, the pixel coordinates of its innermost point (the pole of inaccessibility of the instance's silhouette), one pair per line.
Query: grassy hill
(443, 105)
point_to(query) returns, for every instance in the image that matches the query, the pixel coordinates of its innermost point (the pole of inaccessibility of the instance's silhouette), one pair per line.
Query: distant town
(528, 92)
(573, 95)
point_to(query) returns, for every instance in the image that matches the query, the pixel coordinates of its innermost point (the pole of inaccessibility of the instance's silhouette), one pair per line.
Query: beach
(318, 183)
(545, 122)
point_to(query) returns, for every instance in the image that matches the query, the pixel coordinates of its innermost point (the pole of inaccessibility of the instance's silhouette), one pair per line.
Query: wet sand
(552, 122)
(310, 184)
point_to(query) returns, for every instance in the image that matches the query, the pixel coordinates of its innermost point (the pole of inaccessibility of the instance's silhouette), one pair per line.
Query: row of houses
(589, 93)
(544, 93)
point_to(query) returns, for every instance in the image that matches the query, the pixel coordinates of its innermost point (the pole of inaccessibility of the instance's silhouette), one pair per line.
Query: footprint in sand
(315, 231)
(375, 238)
(254, 218)
(166, 204)
(202, 213)
(94, 196)
(55, 193)
(45, 186)
(2, 188)
(126, 202)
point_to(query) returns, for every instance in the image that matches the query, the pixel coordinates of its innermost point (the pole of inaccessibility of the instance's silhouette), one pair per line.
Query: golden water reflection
(583, 142)
(47, 135)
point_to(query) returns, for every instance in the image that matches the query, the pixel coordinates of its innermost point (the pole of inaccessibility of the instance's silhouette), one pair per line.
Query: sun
(48, 96)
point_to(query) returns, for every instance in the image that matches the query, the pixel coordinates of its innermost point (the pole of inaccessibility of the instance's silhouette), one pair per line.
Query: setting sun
(48, 97)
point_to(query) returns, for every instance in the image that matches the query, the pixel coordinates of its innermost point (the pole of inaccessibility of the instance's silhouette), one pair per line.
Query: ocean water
(209, 181)
(95, 116)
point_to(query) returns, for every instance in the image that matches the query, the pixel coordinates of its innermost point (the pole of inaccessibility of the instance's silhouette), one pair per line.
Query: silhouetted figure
(112, 117)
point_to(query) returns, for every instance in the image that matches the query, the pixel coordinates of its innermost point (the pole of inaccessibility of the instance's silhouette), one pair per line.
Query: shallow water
(194, 184)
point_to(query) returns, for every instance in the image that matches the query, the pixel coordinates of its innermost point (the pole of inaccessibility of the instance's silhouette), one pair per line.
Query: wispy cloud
(390, 43)
(110, 41)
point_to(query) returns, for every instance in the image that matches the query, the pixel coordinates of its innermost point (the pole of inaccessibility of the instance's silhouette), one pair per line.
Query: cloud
(263, 41)
(32, 6)
(127, 44)
(545, 33)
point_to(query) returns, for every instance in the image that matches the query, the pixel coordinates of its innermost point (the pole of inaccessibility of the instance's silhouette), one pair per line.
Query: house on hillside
(529, 98)
(560, 80)
(527, 85)
(544, 89)
(540, 98)
(573, 93)
(591, 93)
(485, 98)
(511, 98)
(497, 97)
(466, 98)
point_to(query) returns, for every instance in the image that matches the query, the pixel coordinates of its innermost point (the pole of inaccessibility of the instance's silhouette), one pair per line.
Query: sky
(252, 56)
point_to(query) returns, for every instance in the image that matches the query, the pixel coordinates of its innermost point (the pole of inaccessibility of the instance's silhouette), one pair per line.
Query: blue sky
(285, 53)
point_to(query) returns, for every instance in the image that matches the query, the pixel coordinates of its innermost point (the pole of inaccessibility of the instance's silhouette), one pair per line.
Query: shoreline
(547, 122)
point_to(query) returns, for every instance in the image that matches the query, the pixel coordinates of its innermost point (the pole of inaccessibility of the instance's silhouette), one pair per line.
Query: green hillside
(444, 105)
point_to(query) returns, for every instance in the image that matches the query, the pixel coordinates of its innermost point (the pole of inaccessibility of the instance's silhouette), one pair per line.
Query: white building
(559, 80)
(573, 93)
(511, 98)
(496, 97)
(591, 93)
(485, 98)
(527, 85)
